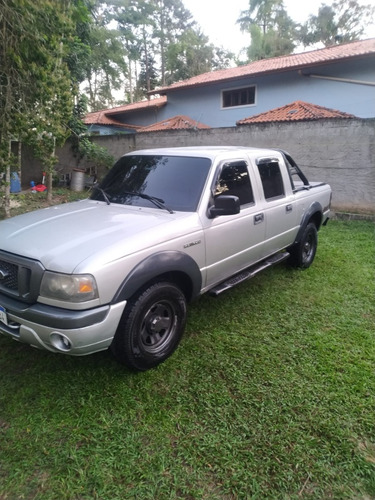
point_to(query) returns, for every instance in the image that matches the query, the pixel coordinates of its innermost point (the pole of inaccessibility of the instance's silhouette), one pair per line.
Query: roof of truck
(208, 151)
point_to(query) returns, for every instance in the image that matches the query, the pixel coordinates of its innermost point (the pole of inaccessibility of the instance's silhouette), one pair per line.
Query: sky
(219, 22)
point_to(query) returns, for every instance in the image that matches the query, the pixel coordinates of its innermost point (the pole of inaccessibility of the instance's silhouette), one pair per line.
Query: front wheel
(302, 253)
(151, 327)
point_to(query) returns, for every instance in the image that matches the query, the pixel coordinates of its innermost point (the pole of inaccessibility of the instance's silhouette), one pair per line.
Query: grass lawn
(271, 395)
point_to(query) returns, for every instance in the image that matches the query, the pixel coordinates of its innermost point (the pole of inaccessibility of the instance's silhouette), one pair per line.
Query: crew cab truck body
(163, 227)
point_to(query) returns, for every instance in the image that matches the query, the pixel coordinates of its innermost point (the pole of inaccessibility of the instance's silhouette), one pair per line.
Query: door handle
(289, 208)
(258, 218)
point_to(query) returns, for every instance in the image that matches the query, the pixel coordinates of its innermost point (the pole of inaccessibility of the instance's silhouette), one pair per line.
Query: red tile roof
(179, 122)
(102, 118)
(296, 111)
(105, 116)
(359, 49)
(156, 102)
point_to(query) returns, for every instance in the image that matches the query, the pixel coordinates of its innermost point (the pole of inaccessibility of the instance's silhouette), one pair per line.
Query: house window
(239, 97)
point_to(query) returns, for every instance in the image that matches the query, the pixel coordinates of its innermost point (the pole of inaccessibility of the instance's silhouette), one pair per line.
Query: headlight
(68, 287)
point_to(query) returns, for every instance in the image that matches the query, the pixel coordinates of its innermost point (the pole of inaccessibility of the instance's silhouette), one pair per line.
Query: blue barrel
(15, 184)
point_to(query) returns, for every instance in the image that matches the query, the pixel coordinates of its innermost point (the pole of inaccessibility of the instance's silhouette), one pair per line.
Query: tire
(302, 254)
(151, 327)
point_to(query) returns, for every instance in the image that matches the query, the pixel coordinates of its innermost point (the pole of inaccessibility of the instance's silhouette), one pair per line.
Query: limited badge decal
(188, 245)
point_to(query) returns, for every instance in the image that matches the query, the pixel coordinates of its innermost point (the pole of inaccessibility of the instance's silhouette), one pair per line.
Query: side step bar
(248, 273)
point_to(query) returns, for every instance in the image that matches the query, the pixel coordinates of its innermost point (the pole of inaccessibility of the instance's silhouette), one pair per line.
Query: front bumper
(55, 329)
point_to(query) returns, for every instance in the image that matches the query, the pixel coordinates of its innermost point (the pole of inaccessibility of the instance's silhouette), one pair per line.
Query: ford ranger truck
(163, 227)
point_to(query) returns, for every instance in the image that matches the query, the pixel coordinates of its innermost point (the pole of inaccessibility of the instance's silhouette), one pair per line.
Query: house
(98, 123)
(129, 118)
(341, 77)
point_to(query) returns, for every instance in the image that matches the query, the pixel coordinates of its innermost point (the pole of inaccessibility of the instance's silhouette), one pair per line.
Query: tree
(82, 146)
(34, 89)
(36, 96)
(135, 23)
(172, 21)
(148, 75)
(192, 55)
(272, 32)
(104, 64)
(341, 22)
(162, 44)
(51, 110)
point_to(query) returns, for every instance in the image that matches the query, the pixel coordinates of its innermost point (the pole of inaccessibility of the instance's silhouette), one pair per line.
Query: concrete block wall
(340, 152)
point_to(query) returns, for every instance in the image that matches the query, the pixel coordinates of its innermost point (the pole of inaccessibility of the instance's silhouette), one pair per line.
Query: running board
(248, 273)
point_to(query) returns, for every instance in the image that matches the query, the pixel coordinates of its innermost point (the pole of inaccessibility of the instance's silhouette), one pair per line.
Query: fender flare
(315, 208)
(156, 265)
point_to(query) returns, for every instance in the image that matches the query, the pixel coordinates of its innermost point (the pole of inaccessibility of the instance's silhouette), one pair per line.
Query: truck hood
(61, 237)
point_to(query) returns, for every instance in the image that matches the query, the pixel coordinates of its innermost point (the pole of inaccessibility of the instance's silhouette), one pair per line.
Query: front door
(233, 242)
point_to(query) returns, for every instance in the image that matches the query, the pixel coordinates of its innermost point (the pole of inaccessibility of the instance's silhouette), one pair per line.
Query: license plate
(3, 315)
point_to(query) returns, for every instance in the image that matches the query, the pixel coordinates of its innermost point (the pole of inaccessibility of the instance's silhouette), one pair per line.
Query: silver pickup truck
(163, 227)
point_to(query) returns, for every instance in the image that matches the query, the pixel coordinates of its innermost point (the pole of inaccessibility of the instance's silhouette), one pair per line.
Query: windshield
(177, 181)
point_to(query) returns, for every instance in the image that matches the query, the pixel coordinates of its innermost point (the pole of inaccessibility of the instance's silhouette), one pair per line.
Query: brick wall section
(340, 152)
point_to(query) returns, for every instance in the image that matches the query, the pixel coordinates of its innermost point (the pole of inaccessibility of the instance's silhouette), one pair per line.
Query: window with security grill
(238, 97)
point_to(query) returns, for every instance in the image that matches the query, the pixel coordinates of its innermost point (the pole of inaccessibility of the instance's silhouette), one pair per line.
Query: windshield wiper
(104, 194)
(156, 201)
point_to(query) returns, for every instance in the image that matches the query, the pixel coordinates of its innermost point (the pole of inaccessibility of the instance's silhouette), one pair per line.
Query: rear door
(233, 242)
(280, 210)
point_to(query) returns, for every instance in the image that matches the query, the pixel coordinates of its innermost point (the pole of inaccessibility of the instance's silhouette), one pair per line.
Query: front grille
(20, 277)
(8, 275)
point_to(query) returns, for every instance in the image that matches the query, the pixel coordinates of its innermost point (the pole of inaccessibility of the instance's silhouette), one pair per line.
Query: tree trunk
(19, 161)
(50, 172)
(49, 186)
(130, 81)
(7, 185)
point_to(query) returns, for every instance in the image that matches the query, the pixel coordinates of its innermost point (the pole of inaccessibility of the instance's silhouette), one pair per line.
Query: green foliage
(98, 155)
(157, 30)
(272, 31)
(270, 395)
(148, 76)
(36, 87)
(82, 145)
(191, 55)
(341, 22)
(105, 65)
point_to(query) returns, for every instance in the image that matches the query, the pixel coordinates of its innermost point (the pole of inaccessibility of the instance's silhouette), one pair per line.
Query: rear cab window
(271, 178)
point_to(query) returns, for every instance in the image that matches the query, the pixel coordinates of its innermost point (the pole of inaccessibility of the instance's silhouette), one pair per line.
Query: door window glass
(235, 180)
(270, 174)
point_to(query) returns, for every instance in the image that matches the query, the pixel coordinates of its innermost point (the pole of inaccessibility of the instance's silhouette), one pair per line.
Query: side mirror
(224, 205)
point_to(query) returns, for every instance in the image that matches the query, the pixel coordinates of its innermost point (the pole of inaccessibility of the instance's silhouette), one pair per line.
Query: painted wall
(143, 117)
(204, 103)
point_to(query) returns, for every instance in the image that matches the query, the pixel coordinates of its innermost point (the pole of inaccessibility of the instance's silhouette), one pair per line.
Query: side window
(270, 175)
(238, 97)
(234, 180)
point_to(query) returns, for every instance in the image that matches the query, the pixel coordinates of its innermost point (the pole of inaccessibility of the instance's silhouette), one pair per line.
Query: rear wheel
(151, 327)
(303, 253)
